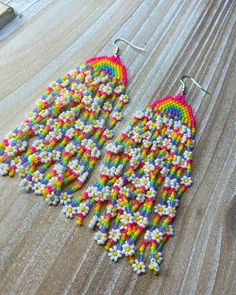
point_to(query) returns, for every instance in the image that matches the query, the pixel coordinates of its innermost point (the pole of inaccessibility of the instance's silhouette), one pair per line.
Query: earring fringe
(145, 173)
(69, 126)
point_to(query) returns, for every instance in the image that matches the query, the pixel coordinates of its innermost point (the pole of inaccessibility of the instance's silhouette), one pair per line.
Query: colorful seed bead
(59, 143)
(145, 172)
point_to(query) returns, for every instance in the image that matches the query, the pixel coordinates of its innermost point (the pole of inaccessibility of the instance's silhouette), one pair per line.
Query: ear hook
(117, 49)
(184, 87)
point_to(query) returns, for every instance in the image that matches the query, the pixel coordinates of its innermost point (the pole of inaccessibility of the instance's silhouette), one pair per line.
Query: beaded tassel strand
(153, 155)
(70, 124)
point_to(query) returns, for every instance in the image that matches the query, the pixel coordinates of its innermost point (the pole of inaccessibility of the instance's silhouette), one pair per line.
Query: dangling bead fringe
(146, 171)
(69, 126)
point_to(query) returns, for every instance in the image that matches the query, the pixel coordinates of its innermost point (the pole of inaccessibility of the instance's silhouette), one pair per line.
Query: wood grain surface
(41, 251)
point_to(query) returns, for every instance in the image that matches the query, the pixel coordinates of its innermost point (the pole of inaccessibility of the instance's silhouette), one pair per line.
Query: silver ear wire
(117, 49)
(184, 87)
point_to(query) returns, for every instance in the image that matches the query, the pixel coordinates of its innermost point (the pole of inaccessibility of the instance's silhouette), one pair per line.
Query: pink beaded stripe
(177, 107)
(114, 68)
(145, 173)
(69, 126)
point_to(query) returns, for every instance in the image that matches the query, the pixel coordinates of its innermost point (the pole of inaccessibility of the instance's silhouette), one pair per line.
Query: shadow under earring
(145, 173)
(68, 128)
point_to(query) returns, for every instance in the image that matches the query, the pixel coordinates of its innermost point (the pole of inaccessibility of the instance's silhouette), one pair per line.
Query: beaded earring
(145, 173)
(68, 126)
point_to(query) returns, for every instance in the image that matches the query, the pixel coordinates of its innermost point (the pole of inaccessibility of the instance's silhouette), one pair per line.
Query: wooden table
(42, 252)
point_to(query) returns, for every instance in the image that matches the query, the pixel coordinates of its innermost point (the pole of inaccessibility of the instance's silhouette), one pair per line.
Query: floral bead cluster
(58, 144)
(145, 172)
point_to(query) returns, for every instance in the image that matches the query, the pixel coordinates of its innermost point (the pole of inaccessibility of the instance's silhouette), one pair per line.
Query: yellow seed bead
(11, 173)
(79, 221)
(106, 247)
(131, 260)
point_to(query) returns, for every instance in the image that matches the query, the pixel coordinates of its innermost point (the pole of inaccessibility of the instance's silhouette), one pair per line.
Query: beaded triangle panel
(58, 144)
(145, 173)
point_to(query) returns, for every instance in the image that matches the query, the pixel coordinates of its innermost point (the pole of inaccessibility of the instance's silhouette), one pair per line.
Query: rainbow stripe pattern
(177, 108)
(111, 65)
(143, 177)
(68, 128)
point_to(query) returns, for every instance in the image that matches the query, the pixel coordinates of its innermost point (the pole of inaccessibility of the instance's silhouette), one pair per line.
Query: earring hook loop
(184, 87)
(117, 49)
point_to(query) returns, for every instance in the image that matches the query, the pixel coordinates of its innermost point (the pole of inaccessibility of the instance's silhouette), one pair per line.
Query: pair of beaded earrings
(144, 173)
